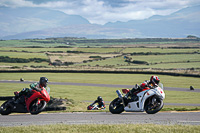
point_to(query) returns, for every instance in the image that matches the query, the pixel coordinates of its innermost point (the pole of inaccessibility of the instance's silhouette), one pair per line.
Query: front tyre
(116, 106)
(155, 106)
(36, 108)
(5, 109)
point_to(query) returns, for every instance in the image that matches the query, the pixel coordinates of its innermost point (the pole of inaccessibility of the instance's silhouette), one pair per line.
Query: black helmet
(43, 81)
(99, 98)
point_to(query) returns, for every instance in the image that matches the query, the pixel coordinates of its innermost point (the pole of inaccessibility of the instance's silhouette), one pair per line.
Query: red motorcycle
(92, 107)
(33, 103)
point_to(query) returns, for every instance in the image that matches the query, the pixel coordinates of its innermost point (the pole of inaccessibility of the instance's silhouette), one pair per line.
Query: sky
(103, 11)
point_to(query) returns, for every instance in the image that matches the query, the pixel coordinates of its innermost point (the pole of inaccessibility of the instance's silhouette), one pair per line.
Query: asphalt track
(164, 118)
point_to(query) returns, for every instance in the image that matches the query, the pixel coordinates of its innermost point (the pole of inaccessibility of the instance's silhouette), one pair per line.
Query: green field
(28, 43)
(158, 56)
(100, 50)
(154, 61)
(160, 50)
(24, 55)
(112, 58)
(33, 50)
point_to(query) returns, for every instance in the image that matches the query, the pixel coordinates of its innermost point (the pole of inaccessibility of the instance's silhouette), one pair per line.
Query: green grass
(174, 66)
(44, 64)
(27, 43)
(111, 61)
(154, 61)
(100, 50)
(103, 78)
(24, 55)
(182, 97)
(167, 58)
(34, 50)
(109, 128)
(160, 50)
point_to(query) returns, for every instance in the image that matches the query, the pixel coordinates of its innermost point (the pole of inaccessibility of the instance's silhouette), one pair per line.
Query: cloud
(103, 11)
(16, 3)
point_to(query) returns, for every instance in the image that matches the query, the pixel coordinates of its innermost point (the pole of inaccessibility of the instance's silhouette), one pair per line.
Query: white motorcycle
(149, 100)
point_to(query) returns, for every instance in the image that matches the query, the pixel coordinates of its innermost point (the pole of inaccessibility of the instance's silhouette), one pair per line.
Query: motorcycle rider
(101, 103)
(152, 83)
(35, 86)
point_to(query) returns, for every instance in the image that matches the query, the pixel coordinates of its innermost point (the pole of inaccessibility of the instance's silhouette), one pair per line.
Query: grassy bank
(122, 128)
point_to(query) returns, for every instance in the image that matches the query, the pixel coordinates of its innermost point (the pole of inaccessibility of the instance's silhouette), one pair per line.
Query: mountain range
(25, 23)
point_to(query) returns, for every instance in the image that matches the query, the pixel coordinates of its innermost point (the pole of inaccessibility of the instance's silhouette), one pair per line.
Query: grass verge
(119, 128)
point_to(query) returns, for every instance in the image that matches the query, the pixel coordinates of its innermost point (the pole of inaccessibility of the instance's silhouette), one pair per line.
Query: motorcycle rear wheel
(152, 109)
(36, 108)
(5, 109)
(116, 106)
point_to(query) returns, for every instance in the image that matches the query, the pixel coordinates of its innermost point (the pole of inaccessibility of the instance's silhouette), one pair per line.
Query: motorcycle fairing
(43, 95)
(138, 106)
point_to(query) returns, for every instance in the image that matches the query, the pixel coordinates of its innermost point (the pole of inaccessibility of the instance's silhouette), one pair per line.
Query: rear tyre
(155, 107)
(36, 108)
(5, 109)
(116, 106)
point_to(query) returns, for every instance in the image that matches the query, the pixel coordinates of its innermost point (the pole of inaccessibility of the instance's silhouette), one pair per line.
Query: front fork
(120, 96)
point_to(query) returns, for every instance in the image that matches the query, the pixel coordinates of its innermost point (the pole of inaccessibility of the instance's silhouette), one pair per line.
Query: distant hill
(178, 24)
(23, 23)
(20, 20)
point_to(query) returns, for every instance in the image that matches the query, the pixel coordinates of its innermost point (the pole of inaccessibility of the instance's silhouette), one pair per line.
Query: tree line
(21, 60)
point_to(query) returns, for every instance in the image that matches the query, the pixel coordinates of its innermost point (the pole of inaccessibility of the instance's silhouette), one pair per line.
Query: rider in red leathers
(152, 83)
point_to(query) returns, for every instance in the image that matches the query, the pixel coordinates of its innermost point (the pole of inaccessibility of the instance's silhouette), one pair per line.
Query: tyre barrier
(46, 109)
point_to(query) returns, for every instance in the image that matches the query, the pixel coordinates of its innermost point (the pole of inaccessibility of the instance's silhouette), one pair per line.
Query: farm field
(99, 54)
(24, 55)
(83, 42)
(101, 58)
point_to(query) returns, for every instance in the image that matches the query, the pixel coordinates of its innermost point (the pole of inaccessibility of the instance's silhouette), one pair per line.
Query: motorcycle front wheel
(36, 108)
(5, 109)
(152, 108)
(116, 106)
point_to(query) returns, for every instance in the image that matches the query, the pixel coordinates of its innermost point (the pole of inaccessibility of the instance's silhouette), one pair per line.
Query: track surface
(191, 118)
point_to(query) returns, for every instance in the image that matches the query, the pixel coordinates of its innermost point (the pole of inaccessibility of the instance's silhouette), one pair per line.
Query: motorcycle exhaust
(119, 94)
